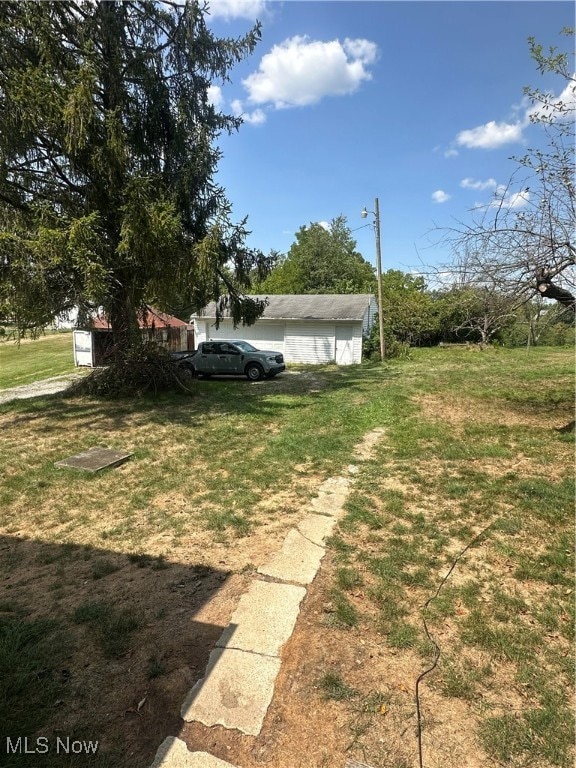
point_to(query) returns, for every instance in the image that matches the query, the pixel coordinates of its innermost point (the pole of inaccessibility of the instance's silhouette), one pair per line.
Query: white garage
(318, 328)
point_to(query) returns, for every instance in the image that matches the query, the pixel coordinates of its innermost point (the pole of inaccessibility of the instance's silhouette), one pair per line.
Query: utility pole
(376, 213)
(379, 278)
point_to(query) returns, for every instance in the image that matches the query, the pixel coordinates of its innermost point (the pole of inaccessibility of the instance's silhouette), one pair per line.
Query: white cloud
(473, 184)
(361, 49)
(300, 71)
(215, 96)
(555, 107)
(440, 196)
(451, 153)
(324, 225)
(568, 96)
(237, 9)
(257, 117)
(512, 201)
(490, 136)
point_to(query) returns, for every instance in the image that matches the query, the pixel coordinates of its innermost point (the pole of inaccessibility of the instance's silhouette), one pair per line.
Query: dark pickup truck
(232, 357)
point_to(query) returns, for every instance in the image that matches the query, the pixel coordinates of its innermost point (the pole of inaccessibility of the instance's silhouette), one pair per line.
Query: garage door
(309, 342)
(262, 335)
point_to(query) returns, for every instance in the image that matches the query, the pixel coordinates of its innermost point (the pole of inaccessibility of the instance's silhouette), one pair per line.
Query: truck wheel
(189, 369)
(254, 372)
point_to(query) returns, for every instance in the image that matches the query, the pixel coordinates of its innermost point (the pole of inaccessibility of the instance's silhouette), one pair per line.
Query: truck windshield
(244, 346)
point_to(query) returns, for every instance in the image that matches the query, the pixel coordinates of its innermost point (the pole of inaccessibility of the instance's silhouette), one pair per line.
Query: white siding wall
(263, 335)
(370, 316)
(199, 331)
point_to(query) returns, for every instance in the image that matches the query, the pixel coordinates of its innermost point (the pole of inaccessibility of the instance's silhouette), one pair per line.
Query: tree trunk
(123, 318)
(548, 290)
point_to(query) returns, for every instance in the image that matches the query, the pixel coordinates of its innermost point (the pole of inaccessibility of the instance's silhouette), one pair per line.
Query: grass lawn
(34, 360)
(118, 584)
(457, 551)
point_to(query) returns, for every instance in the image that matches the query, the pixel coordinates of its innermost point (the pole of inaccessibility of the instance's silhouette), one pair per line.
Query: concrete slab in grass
(94, 459)
(298, 560)
(235, 692)
(317, 527)
(173, 753)
(264, 618)
(337, 485)
(332, 495)
(327, 504)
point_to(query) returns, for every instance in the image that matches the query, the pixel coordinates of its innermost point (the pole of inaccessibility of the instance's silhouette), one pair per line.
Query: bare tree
(484, 311)
(523, 242)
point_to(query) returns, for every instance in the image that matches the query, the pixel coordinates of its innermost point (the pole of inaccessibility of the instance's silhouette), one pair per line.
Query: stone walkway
(238, 685)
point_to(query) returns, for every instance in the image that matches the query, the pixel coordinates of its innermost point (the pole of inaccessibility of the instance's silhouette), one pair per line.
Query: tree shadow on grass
(211, 399)
(99, 646)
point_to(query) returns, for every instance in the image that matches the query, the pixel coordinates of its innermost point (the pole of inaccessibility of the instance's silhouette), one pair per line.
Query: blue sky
(420, 104)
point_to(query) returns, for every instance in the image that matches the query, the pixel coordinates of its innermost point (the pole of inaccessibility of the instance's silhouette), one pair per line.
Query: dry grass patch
(461, 411)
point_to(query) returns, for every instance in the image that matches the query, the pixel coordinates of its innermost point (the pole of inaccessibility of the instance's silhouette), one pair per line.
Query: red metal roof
(148, 318)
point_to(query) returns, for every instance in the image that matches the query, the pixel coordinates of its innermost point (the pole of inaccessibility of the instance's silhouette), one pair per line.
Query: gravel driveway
(38, 388)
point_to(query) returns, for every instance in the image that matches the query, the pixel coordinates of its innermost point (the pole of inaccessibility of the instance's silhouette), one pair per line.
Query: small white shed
(92, 346)
(319, 328)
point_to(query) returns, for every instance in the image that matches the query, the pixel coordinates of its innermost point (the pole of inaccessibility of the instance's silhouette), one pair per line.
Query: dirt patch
(180, 612)
(365, 447)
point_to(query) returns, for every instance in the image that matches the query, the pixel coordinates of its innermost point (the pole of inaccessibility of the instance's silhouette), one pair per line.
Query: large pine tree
(107, 162)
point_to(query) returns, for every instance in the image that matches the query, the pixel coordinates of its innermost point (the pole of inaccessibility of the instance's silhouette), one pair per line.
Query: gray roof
(322, 306)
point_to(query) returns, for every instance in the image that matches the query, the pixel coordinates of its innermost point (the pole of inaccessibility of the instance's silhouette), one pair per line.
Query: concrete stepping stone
(298, 560)
(235, 692)
(340, 485)
(238, 684)
(173, 753)
(332, 495)
(328, 504)
(264, 618)
(317, 527)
